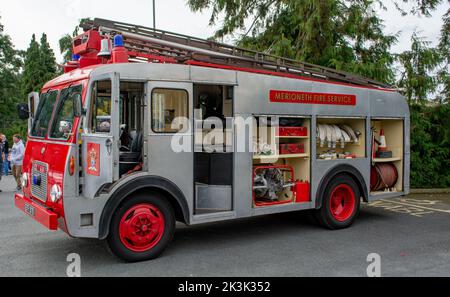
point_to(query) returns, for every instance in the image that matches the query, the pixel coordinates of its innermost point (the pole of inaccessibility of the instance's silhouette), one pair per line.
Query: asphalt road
(411, 235)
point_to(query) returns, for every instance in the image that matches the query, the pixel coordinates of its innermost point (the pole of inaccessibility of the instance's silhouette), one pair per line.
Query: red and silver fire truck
(147, 128)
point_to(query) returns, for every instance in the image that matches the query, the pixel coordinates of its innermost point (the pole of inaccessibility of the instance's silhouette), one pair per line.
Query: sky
(22, 18)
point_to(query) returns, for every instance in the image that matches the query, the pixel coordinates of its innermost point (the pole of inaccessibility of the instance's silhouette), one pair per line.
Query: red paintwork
(342, 202)
(142, 227)
(302, 192)
(152, 58)
(292, 148)
(55, 151)
(93, 159)
(281, 74)
(42, 215)
(88, 42)
(292, 131)
(87, 45)
(120, 55)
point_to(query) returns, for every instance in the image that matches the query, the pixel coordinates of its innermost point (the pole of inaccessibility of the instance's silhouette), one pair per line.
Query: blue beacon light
(118, 41)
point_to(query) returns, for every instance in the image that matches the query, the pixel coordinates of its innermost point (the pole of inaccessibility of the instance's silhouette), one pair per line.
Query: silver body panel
(250, 98)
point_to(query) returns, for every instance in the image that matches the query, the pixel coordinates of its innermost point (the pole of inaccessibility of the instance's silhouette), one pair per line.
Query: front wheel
(341, 203)
(142, 228)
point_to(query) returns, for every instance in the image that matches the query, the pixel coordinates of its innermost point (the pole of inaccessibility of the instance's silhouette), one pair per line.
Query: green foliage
(430, 146)
(32, 72)
(47, 61)
(65, 46)
(417, 80)
(10, 64)
(39, 65)
(343, 35)
(444, 49)
(20, 74)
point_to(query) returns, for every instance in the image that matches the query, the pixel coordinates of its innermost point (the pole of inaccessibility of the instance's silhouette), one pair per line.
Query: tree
(39, 65)
(47, 59)
(417, 79)
(10, 64)
(338, 34)
(444, 50)
(65, 46)
(32, 71)
(342, 34)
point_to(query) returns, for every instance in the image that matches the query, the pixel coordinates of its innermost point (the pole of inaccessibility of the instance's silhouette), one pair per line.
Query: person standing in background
(17, 153)
(5, 154)
(1, 157)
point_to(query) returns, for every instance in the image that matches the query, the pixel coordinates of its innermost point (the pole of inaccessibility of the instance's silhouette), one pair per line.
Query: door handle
(108, 145)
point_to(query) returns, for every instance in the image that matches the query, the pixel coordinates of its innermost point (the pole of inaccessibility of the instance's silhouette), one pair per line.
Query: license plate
(30, 210)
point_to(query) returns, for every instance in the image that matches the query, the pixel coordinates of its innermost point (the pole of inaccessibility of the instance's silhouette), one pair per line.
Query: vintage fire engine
(109, 158)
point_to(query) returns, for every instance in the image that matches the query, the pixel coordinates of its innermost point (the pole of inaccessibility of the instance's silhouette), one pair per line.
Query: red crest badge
(93, 159)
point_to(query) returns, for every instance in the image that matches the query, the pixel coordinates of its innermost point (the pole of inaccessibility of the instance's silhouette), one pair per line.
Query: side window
(167, 105)
(100, 121)
(64, 116)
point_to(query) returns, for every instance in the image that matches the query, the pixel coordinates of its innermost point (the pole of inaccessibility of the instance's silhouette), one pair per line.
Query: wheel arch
(353, 172)
(139, 185)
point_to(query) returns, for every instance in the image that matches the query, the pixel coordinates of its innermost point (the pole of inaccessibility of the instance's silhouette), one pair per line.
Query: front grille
(39, 181)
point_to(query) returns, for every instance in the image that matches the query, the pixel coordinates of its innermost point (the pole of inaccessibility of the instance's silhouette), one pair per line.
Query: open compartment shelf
(341, 138)
(394, 132)
(279, 143)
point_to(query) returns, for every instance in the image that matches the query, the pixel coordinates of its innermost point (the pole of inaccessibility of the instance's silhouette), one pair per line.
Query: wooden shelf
(275, 157)
(386, 160)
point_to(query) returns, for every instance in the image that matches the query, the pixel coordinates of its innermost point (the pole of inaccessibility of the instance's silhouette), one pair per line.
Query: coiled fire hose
(383, 176)
(332, 134)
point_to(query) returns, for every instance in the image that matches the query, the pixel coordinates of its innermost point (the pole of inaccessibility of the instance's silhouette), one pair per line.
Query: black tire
(114, 240)
(325, 216)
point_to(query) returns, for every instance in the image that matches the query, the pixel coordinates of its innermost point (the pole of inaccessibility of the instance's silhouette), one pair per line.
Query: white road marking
(420, 206)
(402, 206)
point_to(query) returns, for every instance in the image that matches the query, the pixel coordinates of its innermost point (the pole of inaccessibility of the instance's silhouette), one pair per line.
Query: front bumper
(36, 211)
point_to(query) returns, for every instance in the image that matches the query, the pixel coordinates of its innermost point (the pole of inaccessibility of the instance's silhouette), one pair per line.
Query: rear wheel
(341, 203)
(142, 228)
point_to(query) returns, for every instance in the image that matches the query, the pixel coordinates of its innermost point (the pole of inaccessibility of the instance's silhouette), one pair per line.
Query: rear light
(72, 165)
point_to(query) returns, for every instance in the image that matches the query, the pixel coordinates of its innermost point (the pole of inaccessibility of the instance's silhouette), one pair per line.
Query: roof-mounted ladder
(166, 46)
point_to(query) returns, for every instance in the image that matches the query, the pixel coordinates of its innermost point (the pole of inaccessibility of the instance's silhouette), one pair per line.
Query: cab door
(170, 137)
(100, 138)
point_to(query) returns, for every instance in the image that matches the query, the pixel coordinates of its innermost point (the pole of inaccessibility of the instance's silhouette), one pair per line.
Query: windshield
(64, 116)
(44, 114)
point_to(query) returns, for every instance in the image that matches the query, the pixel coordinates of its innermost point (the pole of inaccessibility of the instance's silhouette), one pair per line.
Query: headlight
(24, 180)
(55, 193)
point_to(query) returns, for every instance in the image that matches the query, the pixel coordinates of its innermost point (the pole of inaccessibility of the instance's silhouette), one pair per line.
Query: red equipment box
(302, 192)
(292, 148)
(293, 131)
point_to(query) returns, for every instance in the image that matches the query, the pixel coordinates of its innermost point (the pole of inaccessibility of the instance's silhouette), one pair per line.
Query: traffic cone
(383, 145)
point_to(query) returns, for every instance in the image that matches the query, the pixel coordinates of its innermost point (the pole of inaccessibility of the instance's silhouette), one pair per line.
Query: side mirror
(23, 111)
(33, 102)
(78, 106)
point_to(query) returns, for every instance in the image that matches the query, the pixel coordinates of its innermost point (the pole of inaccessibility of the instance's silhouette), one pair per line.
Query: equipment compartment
(285, 143)
(394, 143)
(341, 138)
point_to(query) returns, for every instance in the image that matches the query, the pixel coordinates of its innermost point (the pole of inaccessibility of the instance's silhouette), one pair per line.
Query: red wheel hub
(141, 227)
(342, 202)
